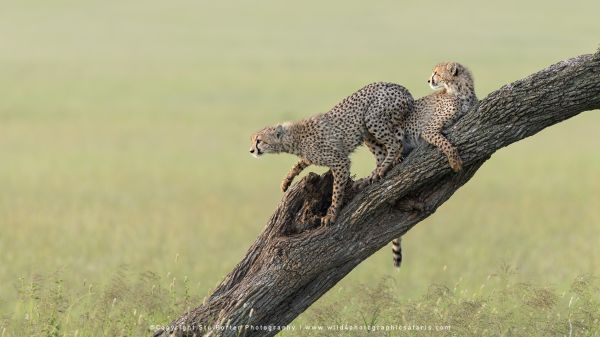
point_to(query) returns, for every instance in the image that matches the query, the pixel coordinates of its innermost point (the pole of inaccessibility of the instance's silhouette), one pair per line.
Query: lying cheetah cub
(432, 112)
(371, 116)
(455, 97)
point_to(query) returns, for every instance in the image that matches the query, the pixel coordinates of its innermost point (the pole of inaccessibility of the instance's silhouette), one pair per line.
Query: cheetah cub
(455, 95)
(371, 115)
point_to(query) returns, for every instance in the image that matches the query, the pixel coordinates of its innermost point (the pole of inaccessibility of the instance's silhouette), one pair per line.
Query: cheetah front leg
(341, 174)
(400, 135)
(296, 169)
(433, 135)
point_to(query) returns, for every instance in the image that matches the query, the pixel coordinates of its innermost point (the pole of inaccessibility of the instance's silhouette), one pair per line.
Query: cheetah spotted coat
(433, 112)
(372, 115)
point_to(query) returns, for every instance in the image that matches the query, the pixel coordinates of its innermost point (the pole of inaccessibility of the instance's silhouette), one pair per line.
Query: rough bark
(294, 261)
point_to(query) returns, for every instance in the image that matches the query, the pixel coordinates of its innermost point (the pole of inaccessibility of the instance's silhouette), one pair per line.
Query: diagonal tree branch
(294, 261)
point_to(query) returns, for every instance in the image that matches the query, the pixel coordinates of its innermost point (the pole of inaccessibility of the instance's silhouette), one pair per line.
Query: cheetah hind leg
(385, 136)
(379, 152)
(400, 137)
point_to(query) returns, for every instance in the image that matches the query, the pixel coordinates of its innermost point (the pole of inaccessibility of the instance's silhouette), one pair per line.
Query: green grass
(124, 130)
(500, 306)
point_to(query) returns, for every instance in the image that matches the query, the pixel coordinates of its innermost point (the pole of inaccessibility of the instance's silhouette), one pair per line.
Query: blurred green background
(125, 125)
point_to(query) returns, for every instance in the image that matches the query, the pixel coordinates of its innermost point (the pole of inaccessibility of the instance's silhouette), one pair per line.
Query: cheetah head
(267, 140)
(450, 76)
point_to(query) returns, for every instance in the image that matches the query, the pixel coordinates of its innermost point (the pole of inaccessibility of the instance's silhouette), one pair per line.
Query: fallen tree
(295, 261)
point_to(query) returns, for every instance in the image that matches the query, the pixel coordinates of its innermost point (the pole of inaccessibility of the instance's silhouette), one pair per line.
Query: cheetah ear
(452, 68)
(279, 131)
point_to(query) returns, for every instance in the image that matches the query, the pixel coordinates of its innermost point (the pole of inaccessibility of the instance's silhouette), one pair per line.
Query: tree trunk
(295, 261)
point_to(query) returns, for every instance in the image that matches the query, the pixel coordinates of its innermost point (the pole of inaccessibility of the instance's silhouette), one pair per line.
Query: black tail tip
(397, 263)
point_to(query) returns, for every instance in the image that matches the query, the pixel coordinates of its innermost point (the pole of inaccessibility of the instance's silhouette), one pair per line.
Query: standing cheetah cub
(455, 97)
(371, 116)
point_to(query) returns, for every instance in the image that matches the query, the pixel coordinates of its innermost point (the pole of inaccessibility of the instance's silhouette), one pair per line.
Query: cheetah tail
(397, 250)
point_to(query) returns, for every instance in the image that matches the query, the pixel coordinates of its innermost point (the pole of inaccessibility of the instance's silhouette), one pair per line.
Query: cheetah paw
(360, 184)
(456, 164)
(374, 178)
(327, 220)
(378, 174)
